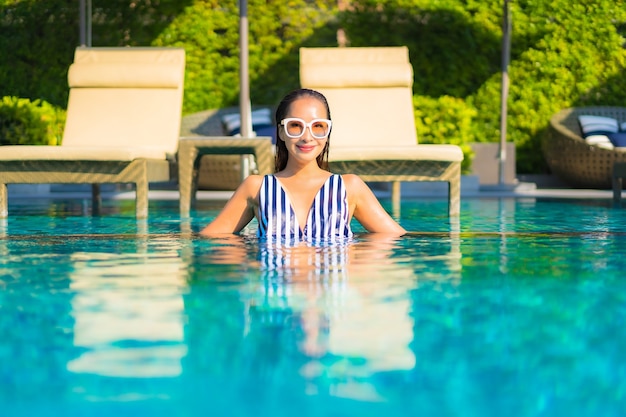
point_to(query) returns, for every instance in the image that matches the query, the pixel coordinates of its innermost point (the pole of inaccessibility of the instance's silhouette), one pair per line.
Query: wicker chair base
(219, 172)
(575, 161)
(139, 172)
(400, 171)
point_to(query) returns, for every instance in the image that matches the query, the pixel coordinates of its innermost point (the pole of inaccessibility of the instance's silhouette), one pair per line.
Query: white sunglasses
(295, 127)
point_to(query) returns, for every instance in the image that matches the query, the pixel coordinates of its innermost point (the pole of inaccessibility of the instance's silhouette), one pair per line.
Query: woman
(303, 200)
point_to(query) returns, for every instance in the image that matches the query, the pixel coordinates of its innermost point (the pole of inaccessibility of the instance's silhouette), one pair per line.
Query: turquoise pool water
(518, 310)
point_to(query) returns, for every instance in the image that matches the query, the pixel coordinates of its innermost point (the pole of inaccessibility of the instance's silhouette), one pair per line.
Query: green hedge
(38, 38)
(25, 122)
(443, 120)
(569, 55)
(564, 54)
(209, 31)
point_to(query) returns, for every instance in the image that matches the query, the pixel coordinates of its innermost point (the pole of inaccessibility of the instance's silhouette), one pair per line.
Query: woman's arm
(367, 208)
(238, 211)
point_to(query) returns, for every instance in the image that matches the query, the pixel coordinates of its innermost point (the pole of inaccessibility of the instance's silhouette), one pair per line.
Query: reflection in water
(318, 262)
(348, 332)
(128, 312)
(327, 316)
(152, 317)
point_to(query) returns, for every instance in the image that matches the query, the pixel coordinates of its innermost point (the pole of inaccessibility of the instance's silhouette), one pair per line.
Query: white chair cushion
(78, 153)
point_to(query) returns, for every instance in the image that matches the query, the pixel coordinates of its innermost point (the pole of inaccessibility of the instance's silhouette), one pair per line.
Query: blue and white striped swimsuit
(328, 216)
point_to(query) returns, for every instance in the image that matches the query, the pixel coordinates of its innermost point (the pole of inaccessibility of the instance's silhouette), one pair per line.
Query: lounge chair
(123, 122)
(575, 160)
(369, 90)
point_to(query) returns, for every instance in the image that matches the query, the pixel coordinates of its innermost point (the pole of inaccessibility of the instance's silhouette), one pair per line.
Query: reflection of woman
(327, 301)
(306, 307)
(363, 256)
(303, 201)
(303, 261)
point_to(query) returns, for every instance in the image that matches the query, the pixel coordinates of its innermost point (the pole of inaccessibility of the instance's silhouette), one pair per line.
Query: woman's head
(283, 111)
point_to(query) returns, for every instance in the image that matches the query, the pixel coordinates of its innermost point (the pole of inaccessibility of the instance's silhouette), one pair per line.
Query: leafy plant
(445, 120)
(209, 32)
(26, 122)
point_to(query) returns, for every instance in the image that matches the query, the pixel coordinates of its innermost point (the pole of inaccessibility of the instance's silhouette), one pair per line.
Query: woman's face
(305, 148)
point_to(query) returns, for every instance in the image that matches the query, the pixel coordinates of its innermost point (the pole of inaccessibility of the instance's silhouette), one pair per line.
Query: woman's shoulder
(355, 187)
(252, 183)
(352, 180)
(255, 178)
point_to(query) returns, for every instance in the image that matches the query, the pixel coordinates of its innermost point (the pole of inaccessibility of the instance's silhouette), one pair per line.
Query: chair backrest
(369, 90)
(125, 97)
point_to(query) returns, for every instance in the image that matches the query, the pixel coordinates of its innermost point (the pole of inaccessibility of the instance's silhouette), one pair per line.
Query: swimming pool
(518, 311)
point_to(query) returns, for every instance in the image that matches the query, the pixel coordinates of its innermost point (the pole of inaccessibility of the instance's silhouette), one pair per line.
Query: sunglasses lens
(319, 129)
(295, 128)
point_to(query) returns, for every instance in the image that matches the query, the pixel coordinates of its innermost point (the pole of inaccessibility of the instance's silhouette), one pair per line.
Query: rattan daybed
(571, 158)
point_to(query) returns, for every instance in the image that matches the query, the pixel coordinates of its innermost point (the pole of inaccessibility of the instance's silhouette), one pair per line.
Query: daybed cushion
(424, 152)
(79, 153)
(602, 141)
(355, 67)
(618, 139)
(121, 75)
(597, 125)
(357, 75)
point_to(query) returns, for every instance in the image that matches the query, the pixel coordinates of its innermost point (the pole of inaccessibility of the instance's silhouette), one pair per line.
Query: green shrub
(209, 32)
(38, 38)
(26, 122)
(445, 120)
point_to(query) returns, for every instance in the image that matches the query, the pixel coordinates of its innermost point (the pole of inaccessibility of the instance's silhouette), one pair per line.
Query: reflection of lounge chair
(123, 122)
(572, 158)
(371, 100)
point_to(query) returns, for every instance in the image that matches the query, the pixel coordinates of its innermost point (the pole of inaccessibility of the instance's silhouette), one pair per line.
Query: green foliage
(209, 31)
(451, 51)
(25, 122)
(38, 38)
(443, 120)
(563, 54)
(579, 60)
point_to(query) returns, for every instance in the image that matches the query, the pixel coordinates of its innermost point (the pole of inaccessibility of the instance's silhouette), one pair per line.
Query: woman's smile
(306, 147)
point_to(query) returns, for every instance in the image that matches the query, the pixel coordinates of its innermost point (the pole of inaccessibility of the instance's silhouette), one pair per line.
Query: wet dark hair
(280, 161)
